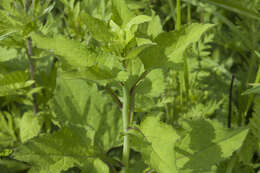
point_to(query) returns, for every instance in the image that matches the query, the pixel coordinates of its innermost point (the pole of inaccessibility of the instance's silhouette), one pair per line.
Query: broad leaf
(56, 152)
(153, 57)
(81, 104)
(174, 43)
(206, 144)
(157, 146)
(71, 51)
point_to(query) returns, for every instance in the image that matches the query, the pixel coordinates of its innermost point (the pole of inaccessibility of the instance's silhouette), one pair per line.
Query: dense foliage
(130, 86)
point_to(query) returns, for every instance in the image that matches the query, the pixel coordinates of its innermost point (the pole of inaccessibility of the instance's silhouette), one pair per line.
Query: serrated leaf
(206, 144)
(71, 51)
(56, 152)
(30, 126)
(153, 85)
(7, 130)
(81, 104)
(12, 83)
(174, 43)
(98, 28)
(157, 149)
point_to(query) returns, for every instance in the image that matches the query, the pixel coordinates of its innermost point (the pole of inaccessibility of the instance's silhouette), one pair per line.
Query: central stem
(126, 123)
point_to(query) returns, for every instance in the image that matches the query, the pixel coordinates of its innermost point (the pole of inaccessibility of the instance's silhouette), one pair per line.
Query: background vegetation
(199, 112)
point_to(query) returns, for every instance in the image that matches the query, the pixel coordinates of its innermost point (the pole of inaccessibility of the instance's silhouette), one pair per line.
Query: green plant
(108, 91)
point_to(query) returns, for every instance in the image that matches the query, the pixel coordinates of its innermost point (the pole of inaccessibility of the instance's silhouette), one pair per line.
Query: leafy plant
(99, 86)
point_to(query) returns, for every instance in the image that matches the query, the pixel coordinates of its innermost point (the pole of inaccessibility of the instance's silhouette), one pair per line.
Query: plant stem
(126, 123)
(178, 10)
(31, 64)
(189, 13)
(230, 101)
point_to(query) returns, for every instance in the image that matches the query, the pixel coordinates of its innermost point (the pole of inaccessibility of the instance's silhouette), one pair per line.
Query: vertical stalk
(126, 123)
(188, 13)
(31, 64)
(178, 18)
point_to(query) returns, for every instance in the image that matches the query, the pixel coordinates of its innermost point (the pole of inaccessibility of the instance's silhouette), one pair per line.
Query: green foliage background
(61, 105)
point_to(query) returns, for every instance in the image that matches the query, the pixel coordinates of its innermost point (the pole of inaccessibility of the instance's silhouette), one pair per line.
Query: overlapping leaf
(157, 146)
(172, 45)
(206, 144)
(81, 104)
(56, 152)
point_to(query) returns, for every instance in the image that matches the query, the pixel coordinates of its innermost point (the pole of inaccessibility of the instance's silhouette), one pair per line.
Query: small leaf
(30, 126)
(121, 14)
(133, 53)
(254, 90)
(137, 20)
(98, 28)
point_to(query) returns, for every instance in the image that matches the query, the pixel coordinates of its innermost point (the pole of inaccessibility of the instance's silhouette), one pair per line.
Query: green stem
(178, 10)
(126, 123)
(188, 13)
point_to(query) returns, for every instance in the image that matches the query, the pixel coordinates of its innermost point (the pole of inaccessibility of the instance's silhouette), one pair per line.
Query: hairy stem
(126, 124)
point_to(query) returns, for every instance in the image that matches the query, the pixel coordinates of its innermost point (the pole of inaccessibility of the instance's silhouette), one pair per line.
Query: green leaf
(121, 14)
(253, 90)
(63, 149)
(153, 57)
(98, 28)
(153, 85)
(81, 104)
(206, 144)
(7, 54)
(71, 51)
(7, 130)
(12, 83)
(154, 26)
(137, 20)
(107, 67)
(174, 43)
(235, 7)
(255, 120)
(134, 52)
(11, 166)
(30, 126)
(157, 149)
